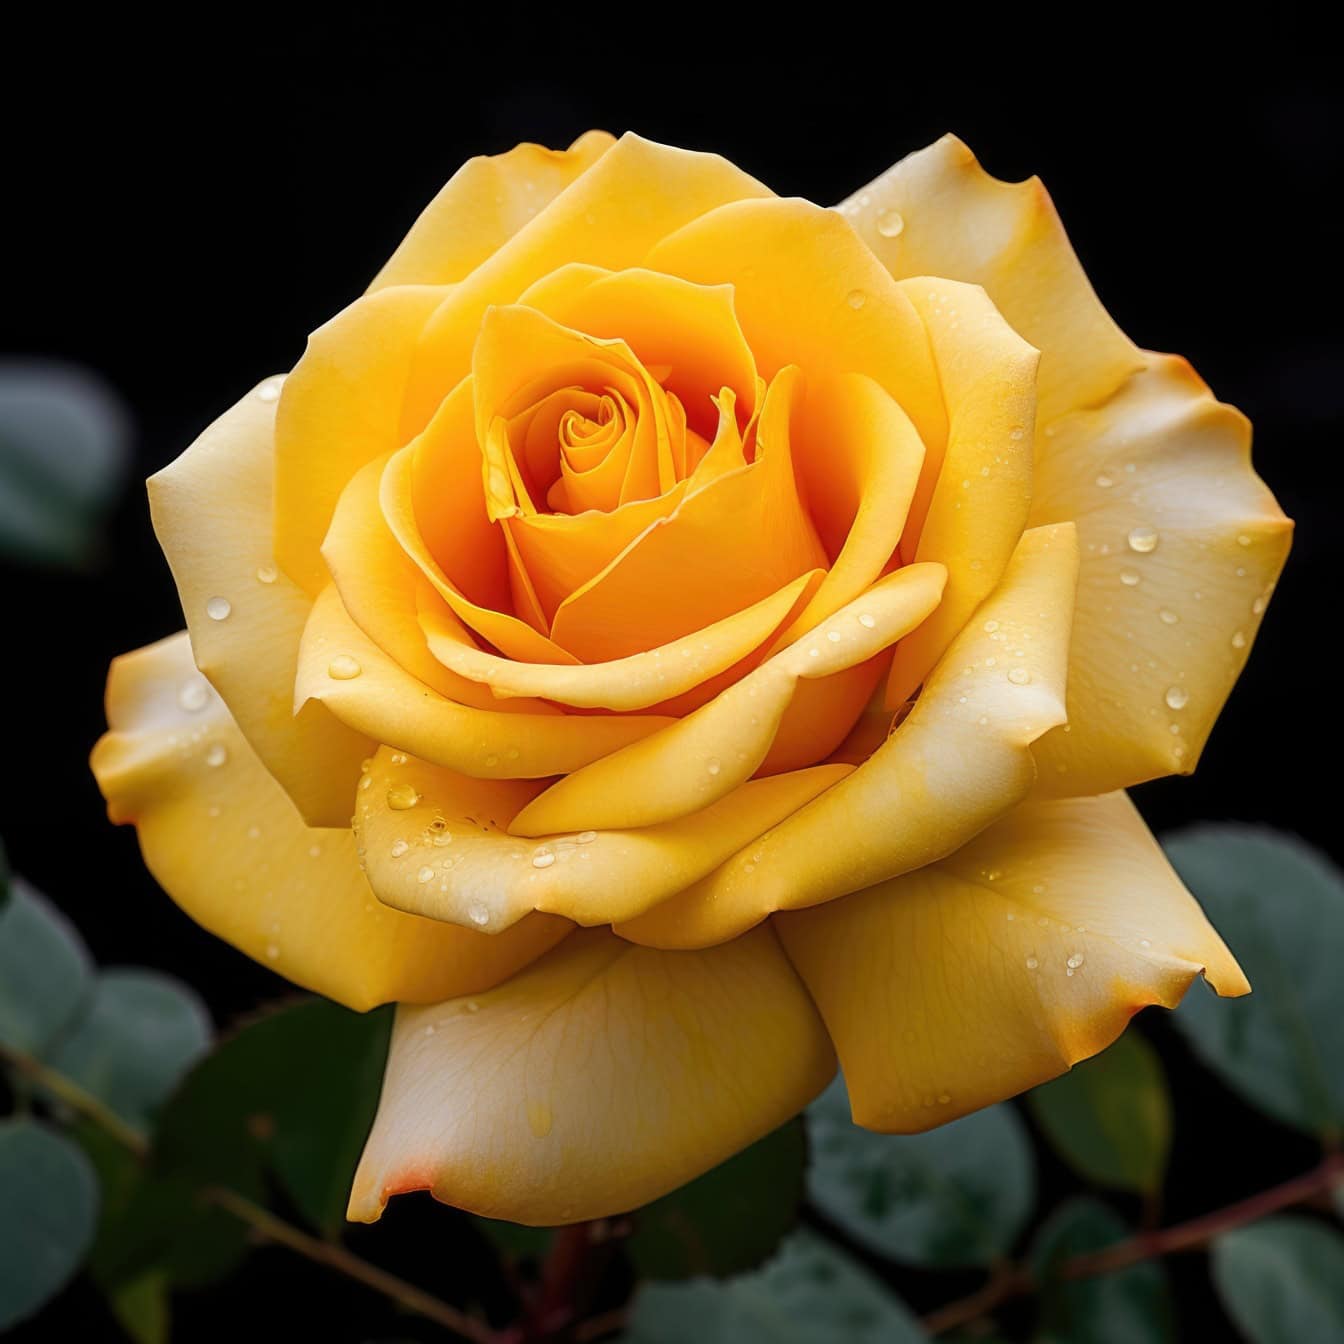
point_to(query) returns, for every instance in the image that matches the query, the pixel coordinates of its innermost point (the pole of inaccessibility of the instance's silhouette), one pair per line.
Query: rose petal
(702, 758)
(1181, 545)
(1003, 964)
(953, 220)
(970, 513)
(212, 514)
(484, 204)
(596, 1082)
(341, 407)
(742, 537)
(341, 667)
(959, 760)
(437, 843)
(223, 840)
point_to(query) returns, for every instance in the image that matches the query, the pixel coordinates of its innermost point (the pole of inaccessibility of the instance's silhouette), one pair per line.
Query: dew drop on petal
(713, 765)
(1142, 539)
(1177, 697)
(343, 668)
(889, 223)
(543, 858)
(1167, 617)
(267, 574)
(399, 847)
(218, 608)
(1129, 578)
(856, 298)
(867, 621)
(400, 797)
(217, 754)
(193, 695)
(1239, 640)
(426, 874)
(1019, 676)
(478, 913)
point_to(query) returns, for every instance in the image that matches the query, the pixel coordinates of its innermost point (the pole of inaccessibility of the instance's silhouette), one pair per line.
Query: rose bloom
(732, 625)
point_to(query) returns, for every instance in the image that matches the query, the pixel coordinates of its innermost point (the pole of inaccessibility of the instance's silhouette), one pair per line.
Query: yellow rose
(731, 624)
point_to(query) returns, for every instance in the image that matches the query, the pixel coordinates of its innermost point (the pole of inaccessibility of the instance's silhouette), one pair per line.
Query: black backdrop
(185, 206)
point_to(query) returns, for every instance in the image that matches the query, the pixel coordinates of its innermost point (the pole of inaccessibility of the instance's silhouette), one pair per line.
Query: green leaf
(728, 1220)
(958, 1195)
(1282, 1280)
(141, 1307)
(63, 453)
(810, 1293)
(140, 1034)
(48, 1209)
(1280, 906)
(1110, 1117)
(1129, 1306)
(45, 971)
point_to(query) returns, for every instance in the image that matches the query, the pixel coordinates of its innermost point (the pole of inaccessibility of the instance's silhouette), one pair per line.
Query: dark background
(185, 206)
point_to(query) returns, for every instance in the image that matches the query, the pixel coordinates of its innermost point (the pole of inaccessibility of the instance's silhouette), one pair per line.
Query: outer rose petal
(1003, 964)
(436, 843)
(484, 204)
(969, 513)
(595, 1082)
(959, 761)
(956, 221)
(385, 701)
(213, 517)
(1161, 634)
(221, 837)
(341, 407)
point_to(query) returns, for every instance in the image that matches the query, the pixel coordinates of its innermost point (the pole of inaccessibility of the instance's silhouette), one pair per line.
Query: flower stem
(264, 1223)
(1188, 1236)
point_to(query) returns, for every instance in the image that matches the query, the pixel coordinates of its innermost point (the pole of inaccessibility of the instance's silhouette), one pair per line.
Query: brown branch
(1188, 1236)
(262, 1221)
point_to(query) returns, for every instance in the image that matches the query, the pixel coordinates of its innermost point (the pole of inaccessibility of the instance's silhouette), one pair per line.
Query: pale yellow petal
(1003, 964)
(703, 757)
(437, 843)
(971, 508)
(212, 512)
(365, 689)
(221, 837)
(938, 213)
(959, 760)
(341, 407)
(1181, 545)
(602, 1078)
(483, 205)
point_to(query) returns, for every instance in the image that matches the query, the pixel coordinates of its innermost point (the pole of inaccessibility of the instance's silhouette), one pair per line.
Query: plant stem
(75, 1097)
(262, 1221)
(1188, 1236)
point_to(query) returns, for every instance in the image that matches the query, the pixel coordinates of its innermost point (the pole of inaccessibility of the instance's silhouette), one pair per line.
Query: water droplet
(1032, 963)
(1144, 942)
(543, 858)
(1143, 540)
(814, 652)
(272, 951)
(991, 626)
(472, 1006)
(1167, 617)
(586, 837)
(491, 761)
(426, 874)
(1239, 640)
(266, 574)
(1105, 482)
(1243, 540)
(194, 695)
(270, 389)
(856, 298)
(442, 839)
(478, 913)
(218, 608)
(343, 668)
(1075, 961)
(399, 847)
(1177, 697)
(1258, 606)
(1019, 676)
(1129, 578)
(833, 636)
(944, 1098)
(890, 223)
(217, 754)
(713, 765)
(867, 621)
(400, 797)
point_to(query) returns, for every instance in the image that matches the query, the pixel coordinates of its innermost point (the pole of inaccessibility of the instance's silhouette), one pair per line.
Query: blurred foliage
(148, 1157)
(63, 458)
